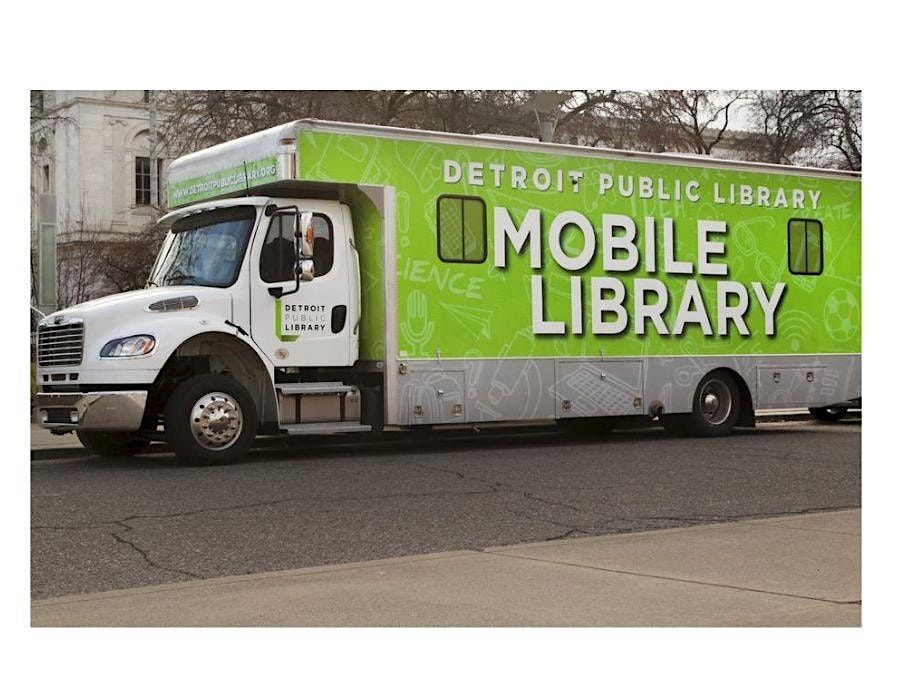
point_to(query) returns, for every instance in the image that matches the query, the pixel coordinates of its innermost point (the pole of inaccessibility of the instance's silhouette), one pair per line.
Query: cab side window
(276, 261)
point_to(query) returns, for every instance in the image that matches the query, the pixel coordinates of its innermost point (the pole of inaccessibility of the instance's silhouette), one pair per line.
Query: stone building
(97, 177)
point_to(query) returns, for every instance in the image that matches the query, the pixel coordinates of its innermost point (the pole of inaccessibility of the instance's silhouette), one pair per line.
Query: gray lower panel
(485, 390)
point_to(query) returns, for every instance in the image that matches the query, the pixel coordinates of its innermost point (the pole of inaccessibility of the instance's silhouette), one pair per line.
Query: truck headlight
(132, 346)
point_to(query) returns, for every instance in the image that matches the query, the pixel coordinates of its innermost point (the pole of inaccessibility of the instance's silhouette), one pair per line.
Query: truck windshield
(205, 249)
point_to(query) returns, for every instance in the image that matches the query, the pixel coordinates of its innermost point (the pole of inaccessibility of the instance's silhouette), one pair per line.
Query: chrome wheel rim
(715, 402)
(216, 421)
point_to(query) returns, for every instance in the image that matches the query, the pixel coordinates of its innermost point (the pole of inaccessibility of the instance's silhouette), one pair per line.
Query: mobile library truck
(323, 277)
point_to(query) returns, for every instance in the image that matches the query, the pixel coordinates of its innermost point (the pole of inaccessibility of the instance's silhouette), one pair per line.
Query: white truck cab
(196, 351)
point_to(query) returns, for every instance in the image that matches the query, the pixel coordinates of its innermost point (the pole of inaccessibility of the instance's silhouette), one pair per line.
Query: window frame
(266, 236)
(462, 199)
(807, 221)
(160, 164)
(138, 187)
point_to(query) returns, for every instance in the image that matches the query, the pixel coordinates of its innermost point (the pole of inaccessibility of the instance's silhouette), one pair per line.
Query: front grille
(61, 345)
(58, 415)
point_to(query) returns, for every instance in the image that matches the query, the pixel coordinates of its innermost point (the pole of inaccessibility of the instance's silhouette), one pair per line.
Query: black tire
(716, 408)
(113, 444)
(828, 414)
(210, 419)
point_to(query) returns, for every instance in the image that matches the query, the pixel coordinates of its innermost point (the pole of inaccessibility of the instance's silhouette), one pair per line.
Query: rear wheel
(210, 420)
(715, 411)
(828, 414)
(113, 444)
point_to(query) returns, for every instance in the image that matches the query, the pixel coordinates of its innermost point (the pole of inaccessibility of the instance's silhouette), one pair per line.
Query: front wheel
(828, 414)
(113, 444)
(715, 411)
(210, 420)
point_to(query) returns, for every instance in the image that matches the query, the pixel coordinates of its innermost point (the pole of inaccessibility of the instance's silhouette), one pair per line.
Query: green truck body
(498, 279)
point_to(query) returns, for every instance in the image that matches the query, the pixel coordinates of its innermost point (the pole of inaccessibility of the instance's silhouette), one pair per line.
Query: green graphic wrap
(219, 183)
(479, 309)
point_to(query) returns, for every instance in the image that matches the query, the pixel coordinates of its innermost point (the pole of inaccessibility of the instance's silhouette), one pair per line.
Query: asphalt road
(101, 524)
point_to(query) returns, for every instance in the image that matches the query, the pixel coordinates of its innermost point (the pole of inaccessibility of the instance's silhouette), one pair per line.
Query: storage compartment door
(799, 386)
(592, 388)
(436, 397)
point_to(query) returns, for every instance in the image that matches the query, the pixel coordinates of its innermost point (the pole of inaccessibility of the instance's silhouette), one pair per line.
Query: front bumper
(103, 411)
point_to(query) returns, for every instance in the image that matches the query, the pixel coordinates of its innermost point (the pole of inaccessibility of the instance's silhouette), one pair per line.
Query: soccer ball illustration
(841, 315)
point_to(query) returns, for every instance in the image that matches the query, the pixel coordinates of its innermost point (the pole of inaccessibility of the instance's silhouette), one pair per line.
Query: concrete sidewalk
(800, 570)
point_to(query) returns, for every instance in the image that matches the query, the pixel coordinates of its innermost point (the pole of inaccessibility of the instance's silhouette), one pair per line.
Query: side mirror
(305, 235)
(306, 271)
(304, 238)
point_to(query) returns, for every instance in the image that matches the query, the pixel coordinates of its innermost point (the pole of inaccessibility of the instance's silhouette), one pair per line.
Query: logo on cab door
(294, 320)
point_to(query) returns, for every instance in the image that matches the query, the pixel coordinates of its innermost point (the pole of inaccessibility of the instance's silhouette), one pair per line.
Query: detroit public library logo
(650, 297)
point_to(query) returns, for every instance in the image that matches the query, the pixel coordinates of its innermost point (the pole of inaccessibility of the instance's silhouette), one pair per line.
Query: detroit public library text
(640, 186)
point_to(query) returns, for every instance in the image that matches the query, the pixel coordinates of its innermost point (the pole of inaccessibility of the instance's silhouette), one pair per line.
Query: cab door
(310, 326)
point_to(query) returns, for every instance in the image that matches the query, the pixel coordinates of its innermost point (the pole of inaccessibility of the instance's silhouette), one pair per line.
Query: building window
(805, 247)
(276, 260)
(45, 179)
(142, 180)
(461, 229)
(146, 96)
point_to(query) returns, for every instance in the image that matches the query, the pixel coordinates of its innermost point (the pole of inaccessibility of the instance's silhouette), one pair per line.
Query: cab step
(326, 428)
(314, 388)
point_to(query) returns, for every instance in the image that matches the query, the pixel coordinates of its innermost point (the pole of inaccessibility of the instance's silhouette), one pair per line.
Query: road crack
(251, 506)
(145, 555)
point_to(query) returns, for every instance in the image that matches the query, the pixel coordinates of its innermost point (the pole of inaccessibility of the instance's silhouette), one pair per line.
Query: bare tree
(124, 262)
(697, 119)
(43, 122)
(380, 107)
(200, 118)
(844, 121)
(620, 119)
(78, 267)
(787, 125)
